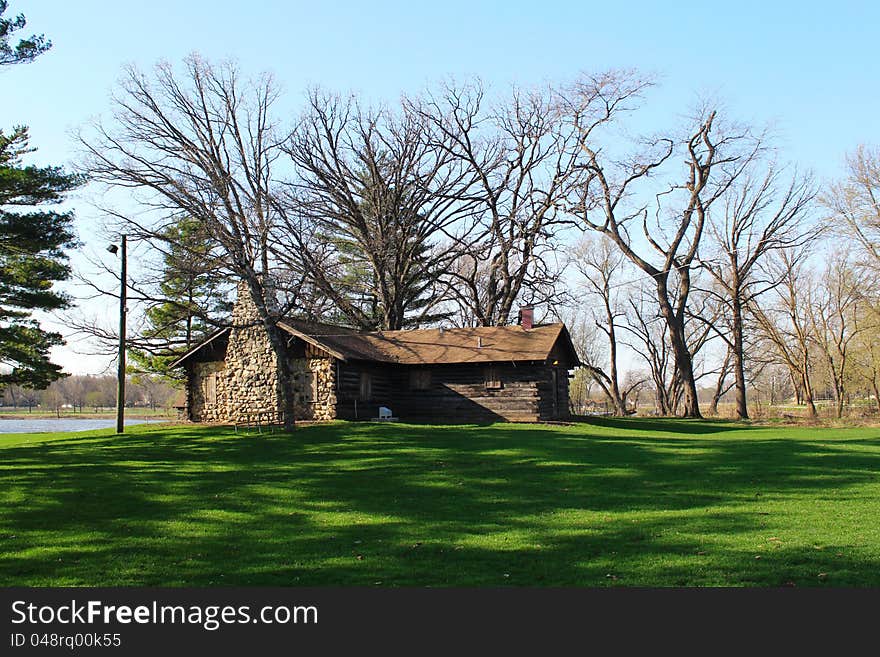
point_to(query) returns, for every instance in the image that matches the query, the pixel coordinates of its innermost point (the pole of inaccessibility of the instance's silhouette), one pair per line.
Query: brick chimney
(527, 317)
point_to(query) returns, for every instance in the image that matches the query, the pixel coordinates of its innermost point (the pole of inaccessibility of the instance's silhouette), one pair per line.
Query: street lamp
(120, 375)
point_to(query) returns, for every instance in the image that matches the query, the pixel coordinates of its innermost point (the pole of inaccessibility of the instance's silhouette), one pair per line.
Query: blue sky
(809, 69)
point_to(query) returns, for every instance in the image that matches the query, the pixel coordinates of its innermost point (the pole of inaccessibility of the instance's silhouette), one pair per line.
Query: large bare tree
(200, 144)
(648, 336)
(618, 196)
(517, 151)
(855, 202)
(600, 265)
(866, 352)
(784, 319)
(838, 316)
(761, 213)
(372, 210)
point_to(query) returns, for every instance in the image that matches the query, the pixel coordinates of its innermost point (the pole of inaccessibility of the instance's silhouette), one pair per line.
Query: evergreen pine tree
(32, 259)
(32, 241)
(26, 49)
(193, 301)
(388, 260)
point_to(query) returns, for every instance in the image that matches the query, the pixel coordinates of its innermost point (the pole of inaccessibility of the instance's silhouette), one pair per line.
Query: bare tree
(11, 395)
(855, 202)
(156, 392)
(759, 215)
(200, 145)
(647, 336)
(600, 264)
(375, 195)
(837, 318)
(647, 333)
(102, 393)
(29, 398)
(854, 206)
(784, 319)
(604, 195)
(17, 395)
(866, 356)
(517, 153)
(771, 384)
(588, 344)
(53, 397)
(74, 390)
(722, 386)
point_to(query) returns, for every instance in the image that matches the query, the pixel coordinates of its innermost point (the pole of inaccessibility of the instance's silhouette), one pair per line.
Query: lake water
(36, 425)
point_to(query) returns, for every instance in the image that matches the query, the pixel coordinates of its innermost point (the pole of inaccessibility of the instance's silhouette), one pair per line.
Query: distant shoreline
(42, 415)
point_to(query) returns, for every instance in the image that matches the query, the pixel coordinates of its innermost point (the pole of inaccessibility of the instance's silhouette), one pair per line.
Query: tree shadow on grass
(351, 504)
(665, 425)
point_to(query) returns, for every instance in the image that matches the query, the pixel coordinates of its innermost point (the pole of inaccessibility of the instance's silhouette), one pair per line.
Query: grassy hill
(609, 503)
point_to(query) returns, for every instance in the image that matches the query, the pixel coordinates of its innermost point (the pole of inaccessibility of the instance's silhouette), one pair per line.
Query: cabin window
(211, 389)
(366, 391)
(420, 379)
(492, 378)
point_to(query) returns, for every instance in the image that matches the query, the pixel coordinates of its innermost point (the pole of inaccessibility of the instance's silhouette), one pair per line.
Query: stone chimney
(251, 366)
(527, 317)
(245, 311)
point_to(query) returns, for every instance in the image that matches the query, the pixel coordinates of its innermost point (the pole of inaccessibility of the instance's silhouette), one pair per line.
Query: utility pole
(120, 374)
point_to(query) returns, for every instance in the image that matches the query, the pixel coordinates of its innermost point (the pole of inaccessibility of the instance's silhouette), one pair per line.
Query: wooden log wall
(350, 404)
(456, 393)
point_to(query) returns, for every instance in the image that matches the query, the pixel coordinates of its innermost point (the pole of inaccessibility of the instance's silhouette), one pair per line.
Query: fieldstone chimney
(245, 312)
(527, 317)
(251, 365)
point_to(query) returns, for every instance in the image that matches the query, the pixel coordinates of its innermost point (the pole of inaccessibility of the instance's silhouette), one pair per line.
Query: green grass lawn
(607, 503)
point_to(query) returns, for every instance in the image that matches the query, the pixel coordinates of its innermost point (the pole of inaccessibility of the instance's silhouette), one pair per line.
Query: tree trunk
(719, 385)
(660, 397)
(808, 386)
(683, 361)
(285, 388)
(798, 391)
(739, 370)
(616, 399)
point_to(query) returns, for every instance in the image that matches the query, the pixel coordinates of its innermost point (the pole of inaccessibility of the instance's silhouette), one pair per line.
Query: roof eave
(564, 332)
(216, 334)
(313, 341)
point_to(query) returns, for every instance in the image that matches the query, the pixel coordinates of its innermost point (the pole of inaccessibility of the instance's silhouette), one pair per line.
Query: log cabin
(516, 373)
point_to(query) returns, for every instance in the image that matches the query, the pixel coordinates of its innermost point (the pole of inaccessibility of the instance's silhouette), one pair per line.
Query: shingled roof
(485, 344)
